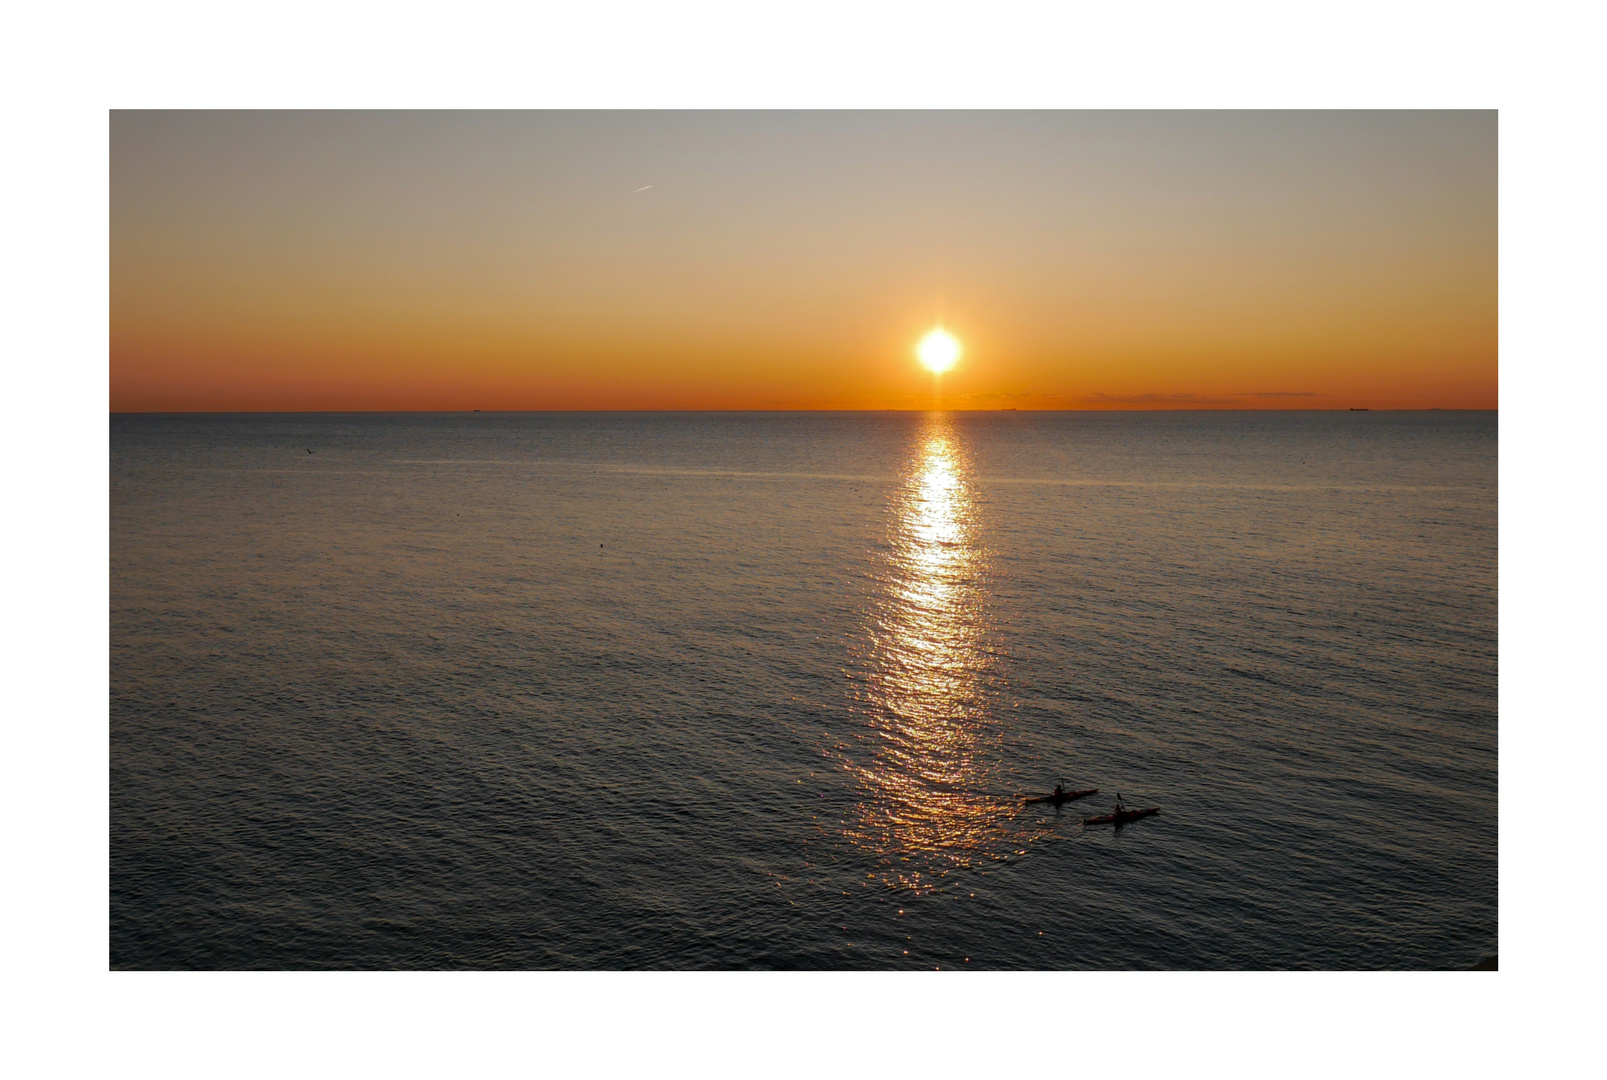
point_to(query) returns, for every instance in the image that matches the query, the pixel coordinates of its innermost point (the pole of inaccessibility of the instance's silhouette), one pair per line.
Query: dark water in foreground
(765, 690)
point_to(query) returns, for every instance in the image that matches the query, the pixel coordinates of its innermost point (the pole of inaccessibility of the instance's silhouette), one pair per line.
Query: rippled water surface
(768, 690)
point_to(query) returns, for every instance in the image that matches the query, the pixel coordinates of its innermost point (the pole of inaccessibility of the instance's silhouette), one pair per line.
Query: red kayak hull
(1065, 798)
(1122, 818)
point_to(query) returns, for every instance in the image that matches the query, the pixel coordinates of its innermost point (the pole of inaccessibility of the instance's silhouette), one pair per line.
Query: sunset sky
(610, 260)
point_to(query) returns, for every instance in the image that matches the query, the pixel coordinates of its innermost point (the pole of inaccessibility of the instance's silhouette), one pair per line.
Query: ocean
(768, 690)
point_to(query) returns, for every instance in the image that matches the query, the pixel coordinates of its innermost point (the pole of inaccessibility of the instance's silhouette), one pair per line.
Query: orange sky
(373, 261)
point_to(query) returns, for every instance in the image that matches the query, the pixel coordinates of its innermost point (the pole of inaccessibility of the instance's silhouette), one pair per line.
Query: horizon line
(471, 412)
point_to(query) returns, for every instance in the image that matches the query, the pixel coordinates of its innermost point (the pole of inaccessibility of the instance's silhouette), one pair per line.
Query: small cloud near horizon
(997, 396)
(1196, 399)
(1159, 399)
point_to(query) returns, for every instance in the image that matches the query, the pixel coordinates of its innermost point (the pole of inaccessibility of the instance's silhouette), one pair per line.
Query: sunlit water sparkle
(932, 798)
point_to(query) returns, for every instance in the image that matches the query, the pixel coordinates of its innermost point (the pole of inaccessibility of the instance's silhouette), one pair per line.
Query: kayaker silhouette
(1060, 792)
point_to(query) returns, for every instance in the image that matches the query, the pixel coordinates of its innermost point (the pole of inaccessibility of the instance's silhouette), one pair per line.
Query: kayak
(1065, 796)
(1121, 818)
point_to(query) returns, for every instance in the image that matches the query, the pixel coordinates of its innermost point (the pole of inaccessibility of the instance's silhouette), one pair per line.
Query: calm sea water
(767, 690)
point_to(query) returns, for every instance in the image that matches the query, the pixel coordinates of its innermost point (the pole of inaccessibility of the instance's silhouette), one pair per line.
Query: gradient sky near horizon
(708, 260)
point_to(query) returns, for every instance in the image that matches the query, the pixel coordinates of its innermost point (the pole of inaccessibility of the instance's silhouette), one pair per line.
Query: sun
(938, 351)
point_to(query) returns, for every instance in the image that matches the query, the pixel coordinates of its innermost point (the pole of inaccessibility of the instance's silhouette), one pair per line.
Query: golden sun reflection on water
(924, 674)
